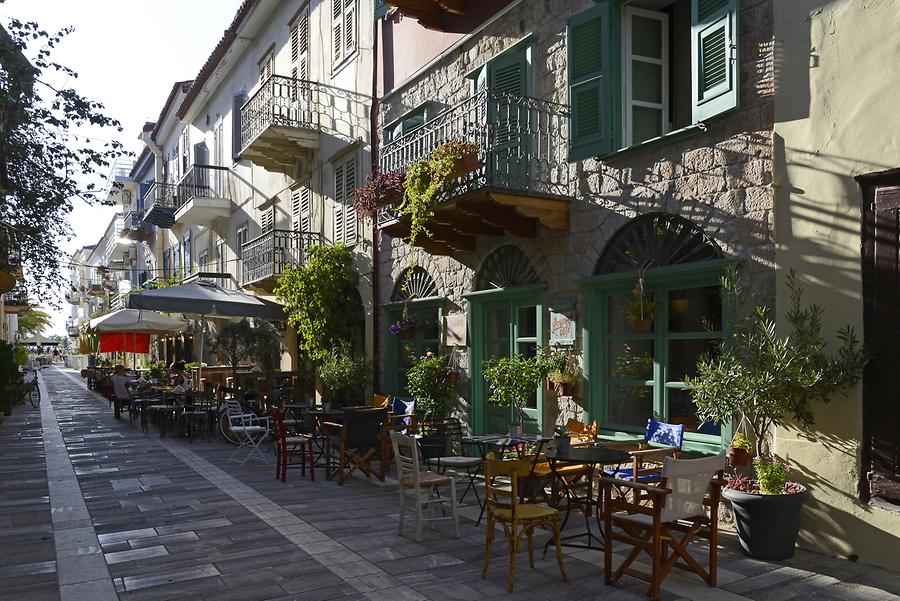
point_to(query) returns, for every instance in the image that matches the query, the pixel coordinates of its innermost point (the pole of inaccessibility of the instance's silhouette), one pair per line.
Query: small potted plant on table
(766, 380)
(512, 381)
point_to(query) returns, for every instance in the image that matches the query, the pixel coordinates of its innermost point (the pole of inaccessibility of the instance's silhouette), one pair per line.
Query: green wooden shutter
(715, 78)
(507, 74)
(591, 93)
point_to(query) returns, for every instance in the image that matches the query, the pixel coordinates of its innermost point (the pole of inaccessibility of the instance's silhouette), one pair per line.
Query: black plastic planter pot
(767, 525)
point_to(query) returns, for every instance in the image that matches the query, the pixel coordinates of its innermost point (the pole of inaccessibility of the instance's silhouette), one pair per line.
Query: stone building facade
(717, 176)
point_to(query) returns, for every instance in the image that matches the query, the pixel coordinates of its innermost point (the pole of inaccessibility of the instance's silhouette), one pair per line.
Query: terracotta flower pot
(465, 164)
(407, 334)
(738, 457)
(642, 325)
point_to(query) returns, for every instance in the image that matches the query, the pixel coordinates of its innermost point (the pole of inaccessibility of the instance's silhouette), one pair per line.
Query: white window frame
(628, 57)
(266, 66)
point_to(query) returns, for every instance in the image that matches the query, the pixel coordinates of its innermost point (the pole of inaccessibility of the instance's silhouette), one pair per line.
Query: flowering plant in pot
(739, 451)
(766, 379)
(562, 373)
(462, 157)
(404, 327)
(380, 190)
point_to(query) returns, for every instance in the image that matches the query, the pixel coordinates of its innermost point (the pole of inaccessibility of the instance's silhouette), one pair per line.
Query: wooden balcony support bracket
(553, 213)
(451, 237)
(461, 222)
(437, 249)
(500, 216)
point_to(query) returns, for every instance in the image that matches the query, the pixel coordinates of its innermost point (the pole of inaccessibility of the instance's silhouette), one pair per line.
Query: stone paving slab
(173, 520)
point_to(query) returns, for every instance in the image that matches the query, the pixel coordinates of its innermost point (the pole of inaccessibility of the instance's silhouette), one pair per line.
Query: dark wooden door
(880, 474)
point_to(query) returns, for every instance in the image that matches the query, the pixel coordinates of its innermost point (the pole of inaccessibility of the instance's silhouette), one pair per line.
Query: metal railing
(133, 219)
(522, 145)
(267, 255)
(284, 101)
(16, 296)
(160, 194)
(206, 181)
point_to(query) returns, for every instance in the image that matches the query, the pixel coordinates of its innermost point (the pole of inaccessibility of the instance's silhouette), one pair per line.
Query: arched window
(420, 285)
(656, 240)
(506, 267)
(653, 308)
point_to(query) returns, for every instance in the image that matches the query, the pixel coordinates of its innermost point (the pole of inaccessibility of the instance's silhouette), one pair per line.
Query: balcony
(201, 195)
(16, 300)
(74, 297)
(523, 180)
(263, 259)
(430, 14)
(280, 123)
(135, 228)
(71, 329)
(160, 205)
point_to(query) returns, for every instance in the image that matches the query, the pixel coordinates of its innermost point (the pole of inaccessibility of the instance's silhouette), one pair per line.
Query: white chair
(421, 486)
(250, 429)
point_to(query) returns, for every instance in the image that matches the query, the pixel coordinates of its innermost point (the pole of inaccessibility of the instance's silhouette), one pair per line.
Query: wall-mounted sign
(455, 329)
(562, 329)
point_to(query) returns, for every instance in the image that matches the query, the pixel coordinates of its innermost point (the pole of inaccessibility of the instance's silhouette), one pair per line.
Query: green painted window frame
(391, 312)
(596, 291)
(400, 126)
(476, 326)
(606, 19)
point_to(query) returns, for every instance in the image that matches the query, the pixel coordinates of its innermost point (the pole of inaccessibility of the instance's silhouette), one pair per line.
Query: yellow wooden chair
(515, 518)
(382, 400)
(581, 432)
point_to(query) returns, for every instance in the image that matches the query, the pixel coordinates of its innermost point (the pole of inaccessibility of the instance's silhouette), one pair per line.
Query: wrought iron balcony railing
(16, 296)
(266, 256)
(159, 202)
(133, 219)
(206, 181)
(522, 141)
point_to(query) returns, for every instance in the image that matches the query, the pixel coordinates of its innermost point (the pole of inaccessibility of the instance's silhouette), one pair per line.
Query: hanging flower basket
(738, 457)
(642, 325)
(405, 328)
(464, 155)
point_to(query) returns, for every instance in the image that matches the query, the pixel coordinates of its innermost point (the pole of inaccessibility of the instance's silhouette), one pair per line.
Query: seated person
(179, 378)
(121, 382)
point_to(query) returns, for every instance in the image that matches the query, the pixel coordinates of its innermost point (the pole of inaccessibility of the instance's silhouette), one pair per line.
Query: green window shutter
(591, 93)
(715, 78)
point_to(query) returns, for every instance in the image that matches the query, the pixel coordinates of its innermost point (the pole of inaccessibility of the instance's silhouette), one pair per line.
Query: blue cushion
(403, 406)
(667, 435)
(628, 475)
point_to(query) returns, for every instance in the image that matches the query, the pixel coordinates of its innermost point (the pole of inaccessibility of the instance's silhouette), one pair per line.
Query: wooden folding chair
(359, 439)
(677, 506)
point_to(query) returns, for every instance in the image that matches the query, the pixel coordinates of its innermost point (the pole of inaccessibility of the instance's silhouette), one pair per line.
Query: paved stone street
(95, 510)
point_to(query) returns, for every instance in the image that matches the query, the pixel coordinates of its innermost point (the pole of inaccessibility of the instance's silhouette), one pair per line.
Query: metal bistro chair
(453, 457)
(413, 482)
(250, 429)
(676, 505)
(195, 419)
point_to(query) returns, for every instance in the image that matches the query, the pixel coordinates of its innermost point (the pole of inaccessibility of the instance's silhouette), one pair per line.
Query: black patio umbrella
(204, 299)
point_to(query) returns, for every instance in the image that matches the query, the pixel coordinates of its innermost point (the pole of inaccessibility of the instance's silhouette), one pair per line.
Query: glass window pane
(630, 405)
(646, 81)
(628, 314)
(430, 328)
(527, 349)
(527, 322)
(693, 309)
(683, 411)
(630, 360)
(683, 355)
(646, 37)
(645, 124)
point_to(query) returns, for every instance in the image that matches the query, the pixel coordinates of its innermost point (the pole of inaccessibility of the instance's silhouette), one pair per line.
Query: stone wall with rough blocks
(720, 179)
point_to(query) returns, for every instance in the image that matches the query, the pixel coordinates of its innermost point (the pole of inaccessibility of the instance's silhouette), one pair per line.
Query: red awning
(112, 342)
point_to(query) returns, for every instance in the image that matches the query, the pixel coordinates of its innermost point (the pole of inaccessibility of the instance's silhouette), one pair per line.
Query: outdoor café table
(591, 456)
(502, 443)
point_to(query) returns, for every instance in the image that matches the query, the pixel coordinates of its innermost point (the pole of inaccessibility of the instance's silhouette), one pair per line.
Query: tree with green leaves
(766, 379)
(46, 160)
(33, 321)
(235, 344)
(321, 298)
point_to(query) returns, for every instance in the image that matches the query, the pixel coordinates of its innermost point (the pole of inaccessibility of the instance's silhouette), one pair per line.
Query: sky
(127, 54)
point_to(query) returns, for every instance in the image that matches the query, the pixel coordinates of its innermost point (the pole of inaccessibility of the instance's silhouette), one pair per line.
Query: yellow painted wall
(836, 116)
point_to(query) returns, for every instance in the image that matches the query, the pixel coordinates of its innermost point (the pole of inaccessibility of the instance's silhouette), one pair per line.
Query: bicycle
(29, 389)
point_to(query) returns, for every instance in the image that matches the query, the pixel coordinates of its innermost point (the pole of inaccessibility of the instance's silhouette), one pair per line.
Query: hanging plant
(424, 180)
(639, 310)
(380, 190)
(463, 154)
(404, 327)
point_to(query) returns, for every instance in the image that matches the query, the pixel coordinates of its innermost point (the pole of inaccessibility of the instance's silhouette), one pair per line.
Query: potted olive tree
(764, 379)
(344, 377)
(512, 381)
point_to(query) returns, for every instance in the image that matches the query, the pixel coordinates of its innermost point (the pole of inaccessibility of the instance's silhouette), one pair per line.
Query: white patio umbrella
(137, 321)
(205, 299)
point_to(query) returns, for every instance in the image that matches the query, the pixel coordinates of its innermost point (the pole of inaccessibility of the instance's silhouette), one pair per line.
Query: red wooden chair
(288, 446)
